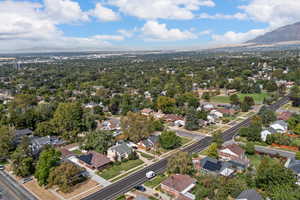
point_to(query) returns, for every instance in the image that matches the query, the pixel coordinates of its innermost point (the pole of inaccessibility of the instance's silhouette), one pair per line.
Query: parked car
(1, 167)
(25, 180)
(150, 174)
(140, 188)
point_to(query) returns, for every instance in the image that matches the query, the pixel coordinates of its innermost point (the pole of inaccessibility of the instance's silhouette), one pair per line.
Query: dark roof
(65, 153)
(294, 165)
(23, 132)
(94, 159)
(249, 195)
(211, 164)
(179, 182)
(121, 148)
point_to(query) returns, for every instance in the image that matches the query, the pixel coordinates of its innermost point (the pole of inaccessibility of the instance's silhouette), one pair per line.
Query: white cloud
(152, 30)
(275, 13)
(30, 26)
(232, 37)
(64, 11)
(161, 9)
(127, 33)
(104, 14)
(239, 16)
(109, 37)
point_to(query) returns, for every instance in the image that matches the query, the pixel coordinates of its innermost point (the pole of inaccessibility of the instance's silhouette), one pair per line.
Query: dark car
(140, 188)
(1, 167)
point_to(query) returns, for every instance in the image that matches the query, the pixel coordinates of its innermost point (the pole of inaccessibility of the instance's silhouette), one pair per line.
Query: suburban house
(227, 112)
(294, 165)
(217, 167)
(171, 118)
(178, 185)
(65, 153)
(216, 113)
(38, 143)
(179, 123)
(233, 152)
(19, 134)
(249, 195)
(280, 126)
(149, 143)
(110, 125)
(284, 116)
(146, 111)
(268, 131)
(94, 160)
(208, 106)
(119, 151)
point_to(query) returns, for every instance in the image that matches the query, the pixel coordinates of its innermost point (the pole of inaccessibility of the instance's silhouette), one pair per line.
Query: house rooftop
(249, 195)
(121, 148)
(294, 165)
(234, 148)
(94, 159)
(179, 182)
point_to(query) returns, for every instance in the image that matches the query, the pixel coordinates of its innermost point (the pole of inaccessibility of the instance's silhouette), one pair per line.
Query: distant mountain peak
(283, 34)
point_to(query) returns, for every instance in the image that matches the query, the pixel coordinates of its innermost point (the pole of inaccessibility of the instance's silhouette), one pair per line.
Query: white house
(179, 123)
(280, 126)
(216, 113)
(266, 132)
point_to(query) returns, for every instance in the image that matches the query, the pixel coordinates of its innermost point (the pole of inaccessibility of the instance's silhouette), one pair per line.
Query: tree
(267, 115)
(249, 101)
(250, 148)
(169, 140)
(136, 126)
(180, 163)
(44, 129)
(68, 120)
(271, 86)
(234, 99)
(298, 155)
(271, 173)
(99, 141)
(206, 96)
(48, 159)
(212, 150)
(192, 121)
(6, 142)
(217, 138)
(166, 104)
(65, 176)
(245, 107)
(22, 161)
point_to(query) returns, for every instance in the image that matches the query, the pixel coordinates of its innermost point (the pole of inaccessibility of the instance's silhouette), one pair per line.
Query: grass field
(255, 160)
(116, 170)
(258, 98)
(147, 156)
(156, 181)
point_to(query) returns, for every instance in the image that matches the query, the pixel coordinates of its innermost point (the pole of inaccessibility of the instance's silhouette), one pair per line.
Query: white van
(150, 174)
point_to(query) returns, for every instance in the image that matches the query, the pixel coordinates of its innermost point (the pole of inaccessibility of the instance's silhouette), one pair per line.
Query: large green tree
(99, 141)
(180, 163)
(169, 140)
(192, 121)
(6, 141)
(48, 159)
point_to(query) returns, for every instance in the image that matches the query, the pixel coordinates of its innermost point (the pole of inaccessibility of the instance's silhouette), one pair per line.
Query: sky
(78, 25)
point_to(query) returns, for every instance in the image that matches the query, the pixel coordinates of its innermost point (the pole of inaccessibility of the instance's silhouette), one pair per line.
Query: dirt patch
(39, 191)
(80, 188)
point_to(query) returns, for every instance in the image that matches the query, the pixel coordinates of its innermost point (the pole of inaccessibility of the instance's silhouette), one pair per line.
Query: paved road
(14, 189)
(114, 190)
(272, 151)
(188, 134)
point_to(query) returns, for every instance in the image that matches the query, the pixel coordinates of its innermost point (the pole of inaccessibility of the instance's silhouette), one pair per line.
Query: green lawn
(258, 98)
(77, 152)
(116, 170)
(156, 181)
(185, 140)
(147, 156)
(255, 160)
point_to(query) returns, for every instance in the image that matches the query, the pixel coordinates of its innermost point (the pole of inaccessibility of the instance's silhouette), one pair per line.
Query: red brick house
(94, 160)
(178, 186)
(226, 111)
(172, 118)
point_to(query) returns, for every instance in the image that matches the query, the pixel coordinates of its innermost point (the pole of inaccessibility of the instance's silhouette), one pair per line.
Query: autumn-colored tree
(180, 163)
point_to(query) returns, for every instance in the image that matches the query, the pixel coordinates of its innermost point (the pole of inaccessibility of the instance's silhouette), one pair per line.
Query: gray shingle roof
(122, 148)
(249, 195)
(294, 165)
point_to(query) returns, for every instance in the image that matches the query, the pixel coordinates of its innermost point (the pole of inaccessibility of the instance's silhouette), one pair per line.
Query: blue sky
(137, 24)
